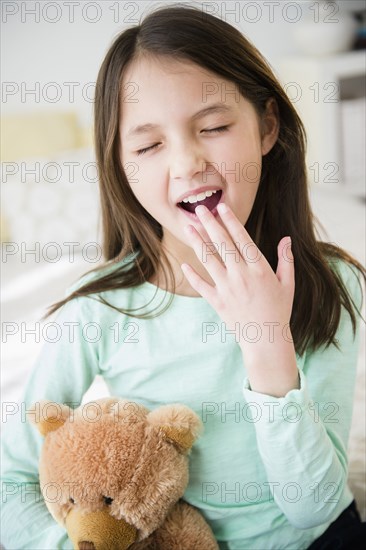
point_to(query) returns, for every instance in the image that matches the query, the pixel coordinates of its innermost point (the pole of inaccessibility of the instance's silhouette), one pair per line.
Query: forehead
(155, 87)
(167, 68)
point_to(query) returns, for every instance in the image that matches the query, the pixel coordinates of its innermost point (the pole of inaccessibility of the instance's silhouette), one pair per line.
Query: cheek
(149, 194)
(240, 160)
(141, 184)
(251, 174)
(242, 173)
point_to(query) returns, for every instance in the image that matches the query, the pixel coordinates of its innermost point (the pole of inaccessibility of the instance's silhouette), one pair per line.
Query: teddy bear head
(111, 470)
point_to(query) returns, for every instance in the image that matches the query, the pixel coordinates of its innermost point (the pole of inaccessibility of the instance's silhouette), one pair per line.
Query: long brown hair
(132, 238)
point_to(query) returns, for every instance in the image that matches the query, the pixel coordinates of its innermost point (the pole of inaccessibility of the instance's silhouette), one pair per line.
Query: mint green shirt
(266, 473)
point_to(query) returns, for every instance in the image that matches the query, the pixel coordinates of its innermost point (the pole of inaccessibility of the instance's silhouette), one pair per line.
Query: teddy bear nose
(86, 545)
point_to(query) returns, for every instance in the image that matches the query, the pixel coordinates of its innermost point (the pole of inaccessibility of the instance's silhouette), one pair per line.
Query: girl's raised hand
(247, 293)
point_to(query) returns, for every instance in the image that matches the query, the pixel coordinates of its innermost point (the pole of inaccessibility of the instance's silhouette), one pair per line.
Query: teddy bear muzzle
(99, 531)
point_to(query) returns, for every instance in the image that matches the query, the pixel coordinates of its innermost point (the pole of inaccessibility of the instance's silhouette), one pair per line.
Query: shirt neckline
(171, 293)
(195, 303)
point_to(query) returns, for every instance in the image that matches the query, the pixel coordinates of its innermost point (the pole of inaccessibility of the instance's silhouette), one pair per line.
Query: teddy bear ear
(179, 424)
(48, 416)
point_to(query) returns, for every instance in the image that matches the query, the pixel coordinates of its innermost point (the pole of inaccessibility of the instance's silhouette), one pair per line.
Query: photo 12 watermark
(118, 410)
(268, 412)
(71, 332)
(251, 492)
(74, 12)
(131, 12)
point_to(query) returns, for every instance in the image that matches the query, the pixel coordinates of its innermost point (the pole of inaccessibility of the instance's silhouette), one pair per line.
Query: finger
(249, 251)
(206, 239)
(204, 289)
(227, 249)
(285, 268)
(206, 252)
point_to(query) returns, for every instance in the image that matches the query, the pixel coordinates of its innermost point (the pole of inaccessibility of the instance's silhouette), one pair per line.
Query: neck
(181, 254)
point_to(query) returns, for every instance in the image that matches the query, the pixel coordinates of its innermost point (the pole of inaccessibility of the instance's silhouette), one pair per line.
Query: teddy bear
(113, 473)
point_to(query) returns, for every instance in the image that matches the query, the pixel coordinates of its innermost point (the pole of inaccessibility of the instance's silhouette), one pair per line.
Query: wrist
(273, 371)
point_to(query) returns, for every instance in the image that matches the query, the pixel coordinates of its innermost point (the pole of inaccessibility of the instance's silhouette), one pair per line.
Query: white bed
(51, 239)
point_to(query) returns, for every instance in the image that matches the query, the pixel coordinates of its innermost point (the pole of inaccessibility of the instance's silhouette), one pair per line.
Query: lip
(193, 216)
(197, 191)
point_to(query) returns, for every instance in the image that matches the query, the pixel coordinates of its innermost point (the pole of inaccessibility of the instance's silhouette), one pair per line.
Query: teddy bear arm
(184, 528)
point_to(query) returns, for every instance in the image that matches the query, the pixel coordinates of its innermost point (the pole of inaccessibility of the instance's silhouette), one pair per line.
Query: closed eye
(219, 129)
(142, 151)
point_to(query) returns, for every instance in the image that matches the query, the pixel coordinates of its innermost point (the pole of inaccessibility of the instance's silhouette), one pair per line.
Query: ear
(48, 416)
(270, 126)
(178, 423)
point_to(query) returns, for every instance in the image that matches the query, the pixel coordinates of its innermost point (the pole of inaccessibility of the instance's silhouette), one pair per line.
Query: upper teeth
(199, 197)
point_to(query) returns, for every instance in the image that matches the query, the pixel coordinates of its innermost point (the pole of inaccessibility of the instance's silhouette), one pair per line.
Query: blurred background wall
(65, 42)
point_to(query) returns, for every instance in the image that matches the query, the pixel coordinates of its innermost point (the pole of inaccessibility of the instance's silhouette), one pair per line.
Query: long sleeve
(65, 368)
(302, 437)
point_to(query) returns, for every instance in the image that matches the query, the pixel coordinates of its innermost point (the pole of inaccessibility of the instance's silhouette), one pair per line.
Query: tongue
(209, 202)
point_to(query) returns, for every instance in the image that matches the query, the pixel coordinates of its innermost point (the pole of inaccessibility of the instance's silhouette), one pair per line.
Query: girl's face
(183, 156)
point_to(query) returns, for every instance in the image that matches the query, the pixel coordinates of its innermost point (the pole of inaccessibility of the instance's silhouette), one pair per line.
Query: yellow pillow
(4, 231)
(39, 134)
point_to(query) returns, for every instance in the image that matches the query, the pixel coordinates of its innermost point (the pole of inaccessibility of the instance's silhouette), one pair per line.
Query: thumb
(285, 267)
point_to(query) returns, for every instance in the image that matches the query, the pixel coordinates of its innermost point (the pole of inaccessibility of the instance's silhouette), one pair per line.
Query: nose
(186, 159)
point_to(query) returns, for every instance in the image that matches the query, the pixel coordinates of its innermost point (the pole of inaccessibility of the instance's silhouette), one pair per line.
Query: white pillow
(57, 203)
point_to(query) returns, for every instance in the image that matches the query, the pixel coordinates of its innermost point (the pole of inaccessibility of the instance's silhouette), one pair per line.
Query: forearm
(26, 521)
(271, 367)
(305, 462)
(302, 437)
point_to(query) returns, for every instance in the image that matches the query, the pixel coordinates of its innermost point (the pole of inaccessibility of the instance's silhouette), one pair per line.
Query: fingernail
(222, 208)
(289, 249)
(201, 210)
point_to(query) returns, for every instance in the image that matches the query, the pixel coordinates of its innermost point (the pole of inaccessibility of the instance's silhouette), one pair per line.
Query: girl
(202, 183)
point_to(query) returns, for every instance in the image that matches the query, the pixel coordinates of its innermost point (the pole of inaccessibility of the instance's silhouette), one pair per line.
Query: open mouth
(209, 202)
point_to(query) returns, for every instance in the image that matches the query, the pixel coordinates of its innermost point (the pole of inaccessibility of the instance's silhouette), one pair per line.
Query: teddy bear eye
(108, 500)
(71, 500)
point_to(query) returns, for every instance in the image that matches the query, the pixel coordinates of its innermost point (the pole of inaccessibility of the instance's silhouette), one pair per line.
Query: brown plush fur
(113, 474)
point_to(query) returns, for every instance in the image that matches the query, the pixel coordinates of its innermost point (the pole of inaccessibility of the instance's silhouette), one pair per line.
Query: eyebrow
(214, 108)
